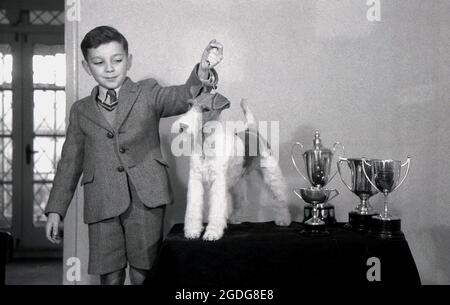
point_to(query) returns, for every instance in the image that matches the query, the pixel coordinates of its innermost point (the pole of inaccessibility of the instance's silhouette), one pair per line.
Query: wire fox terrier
(221, 163)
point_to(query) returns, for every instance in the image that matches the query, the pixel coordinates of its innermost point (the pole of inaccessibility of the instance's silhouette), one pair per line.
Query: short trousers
(134, 237)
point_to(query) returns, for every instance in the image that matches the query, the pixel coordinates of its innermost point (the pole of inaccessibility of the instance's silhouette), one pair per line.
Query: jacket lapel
(127, 97)
(91, 111)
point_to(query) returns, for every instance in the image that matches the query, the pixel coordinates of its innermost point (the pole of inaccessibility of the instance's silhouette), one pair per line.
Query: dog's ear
(220, 102)
(196, 91)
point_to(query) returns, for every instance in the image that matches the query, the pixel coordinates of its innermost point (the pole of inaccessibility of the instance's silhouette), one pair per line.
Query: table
(265, 255)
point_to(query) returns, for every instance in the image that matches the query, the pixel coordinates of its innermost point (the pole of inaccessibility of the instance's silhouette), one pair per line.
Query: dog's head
(204, 107)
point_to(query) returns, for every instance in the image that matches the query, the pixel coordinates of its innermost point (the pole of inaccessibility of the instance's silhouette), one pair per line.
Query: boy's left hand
(212, 55)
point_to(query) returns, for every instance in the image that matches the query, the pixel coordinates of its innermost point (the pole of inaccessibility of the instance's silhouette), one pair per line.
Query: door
(33, 110)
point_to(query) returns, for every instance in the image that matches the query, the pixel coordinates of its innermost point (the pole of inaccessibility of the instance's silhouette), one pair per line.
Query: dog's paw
(283, 219)
(192, 233)
(213, 234)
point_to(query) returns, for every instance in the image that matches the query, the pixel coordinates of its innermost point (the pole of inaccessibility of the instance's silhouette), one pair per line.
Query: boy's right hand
(51, 228)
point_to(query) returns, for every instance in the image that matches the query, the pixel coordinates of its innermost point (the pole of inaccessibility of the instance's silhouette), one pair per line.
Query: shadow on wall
(440, 263)
(179, 168)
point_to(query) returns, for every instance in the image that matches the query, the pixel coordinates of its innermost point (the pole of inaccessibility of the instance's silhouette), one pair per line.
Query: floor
(34, 271)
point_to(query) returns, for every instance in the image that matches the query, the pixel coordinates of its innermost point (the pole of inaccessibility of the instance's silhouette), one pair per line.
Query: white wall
(381, 88)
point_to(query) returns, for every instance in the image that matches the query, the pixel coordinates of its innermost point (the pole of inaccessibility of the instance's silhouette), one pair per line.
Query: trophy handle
(336, 193)
(408, 162)
(295, 192)
(340, 172)
(334, 149)
(367, 176)
(294, 163)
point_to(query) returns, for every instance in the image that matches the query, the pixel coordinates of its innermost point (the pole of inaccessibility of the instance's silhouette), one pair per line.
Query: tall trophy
(315, 196)
(359, 219)
(318, 162)
(385, 177)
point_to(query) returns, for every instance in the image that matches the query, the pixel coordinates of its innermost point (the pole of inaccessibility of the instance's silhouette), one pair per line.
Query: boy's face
(108, 64)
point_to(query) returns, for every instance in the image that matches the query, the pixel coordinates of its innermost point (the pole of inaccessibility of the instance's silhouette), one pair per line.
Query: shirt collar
(102, 93)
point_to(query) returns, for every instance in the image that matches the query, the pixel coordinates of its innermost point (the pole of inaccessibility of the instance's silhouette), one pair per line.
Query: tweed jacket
(106, 154)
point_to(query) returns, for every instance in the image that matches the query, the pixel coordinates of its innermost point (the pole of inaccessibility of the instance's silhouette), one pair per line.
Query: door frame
(21, 40)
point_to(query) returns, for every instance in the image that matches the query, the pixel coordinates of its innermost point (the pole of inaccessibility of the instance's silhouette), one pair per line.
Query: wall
(381, 88)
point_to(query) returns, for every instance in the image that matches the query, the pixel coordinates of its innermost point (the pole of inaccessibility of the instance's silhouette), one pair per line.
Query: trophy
(313, 195)
(360, 217)
(385, 177)
(318, 167)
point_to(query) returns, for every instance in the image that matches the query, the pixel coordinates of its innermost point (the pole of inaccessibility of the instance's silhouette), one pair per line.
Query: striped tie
(111, 93)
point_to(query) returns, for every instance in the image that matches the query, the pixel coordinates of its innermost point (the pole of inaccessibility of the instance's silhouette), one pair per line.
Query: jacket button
(120, 169)
(110, 135)
(122, 150)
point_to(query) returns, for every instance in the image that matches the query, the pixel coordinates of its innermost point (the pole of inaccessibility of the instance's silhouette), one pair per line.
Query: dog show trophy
(359, 219)
(318, 167)
(385, 177)
(315, 196)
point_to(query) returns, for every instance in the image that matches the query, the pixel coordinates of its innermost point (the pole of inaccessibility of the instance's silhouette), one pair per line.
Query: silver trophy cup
(385, 178)
(315, 226)
(360, 217)
(317, 162)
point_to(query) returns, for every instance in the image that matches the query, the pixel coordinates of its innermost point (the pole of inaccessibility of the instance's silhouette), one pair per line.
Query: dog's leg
(240, 200)
(193, 221)
(217, 219)
(274, 179)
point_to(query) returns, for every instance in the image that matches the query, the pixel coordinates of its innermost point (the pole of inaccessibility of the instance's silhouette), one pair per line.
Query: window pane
(49, 119)
(5, 204)
(5, 112)
(49, 112)
(41, 194)
(47, 157)
(60, 112)
(40, 17)
(3, 18)
(6, 62)
(49, 65)
(6, 143)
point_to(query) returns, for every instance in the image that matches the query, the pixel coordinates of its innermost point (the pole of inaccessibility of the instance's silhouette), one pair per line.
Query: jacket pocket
(88, 177)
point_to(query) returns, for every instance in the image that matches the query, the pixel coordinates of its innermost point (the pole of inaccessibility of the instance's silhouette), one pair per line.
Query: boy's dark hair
(101, 35)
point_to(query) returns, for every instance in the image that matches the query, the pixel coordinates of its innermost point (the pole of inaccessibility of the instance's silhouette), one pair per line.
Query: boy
(113, 139)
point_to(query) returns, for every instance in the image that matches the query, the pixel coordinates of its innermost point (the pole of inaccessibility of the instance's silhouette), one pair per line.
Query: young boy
(113, 139)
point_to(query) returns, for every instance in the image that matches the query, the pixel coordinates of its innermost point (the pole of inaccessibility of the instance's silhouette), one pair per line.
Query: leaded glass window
(6, 141)
(49, 115)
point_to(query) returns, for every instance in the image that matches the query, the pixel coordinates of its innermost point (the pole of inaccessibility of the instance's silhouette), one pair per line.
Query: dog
(221, 167)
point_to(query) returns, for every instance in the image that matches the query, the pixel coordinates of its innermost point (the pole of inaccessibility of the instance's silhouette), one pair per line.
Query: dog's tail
(252, 135)
(250, 121)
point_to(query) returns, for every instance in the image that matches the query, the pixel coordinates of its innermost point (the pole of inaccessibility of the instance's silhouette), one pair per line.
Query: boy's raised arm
(172, 100)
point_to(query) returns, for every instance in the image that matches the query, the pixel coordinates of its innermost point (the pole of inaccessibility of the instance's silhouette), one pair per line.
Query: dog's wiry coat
(222, 169)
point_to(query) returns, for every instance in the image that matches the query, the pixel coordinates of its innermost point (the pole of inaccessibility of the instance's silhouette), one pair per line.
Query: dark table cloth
(265, 255)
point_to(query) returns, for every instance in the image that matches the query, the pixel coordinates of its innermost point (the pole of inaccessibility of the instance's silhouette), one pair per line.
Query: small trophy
(314, 196)
(385, 177)
(360, 217)
(318, 167)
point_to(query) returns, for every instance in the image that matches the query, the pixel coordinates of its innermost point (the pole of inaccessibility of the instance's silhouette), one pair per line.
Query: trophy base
(359, 222)
(314, 230)
(326, 213)
(385, 229)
